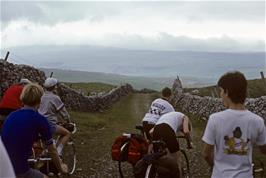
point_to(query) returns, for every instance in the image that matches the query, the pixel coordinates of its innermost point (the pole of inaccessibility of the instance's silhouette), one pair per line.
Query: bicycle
(41, 160)
(152, 159)
(152, 169)
(123, 149)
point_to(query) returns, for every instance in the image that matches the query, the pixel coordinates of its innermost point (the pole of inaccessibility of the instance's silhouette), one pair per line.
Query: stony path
(94, 142)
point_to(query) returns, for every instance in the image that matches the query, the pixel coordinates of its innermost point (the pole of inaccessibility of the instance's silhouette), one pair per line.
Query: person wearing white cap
(10, 101)
(52, 107)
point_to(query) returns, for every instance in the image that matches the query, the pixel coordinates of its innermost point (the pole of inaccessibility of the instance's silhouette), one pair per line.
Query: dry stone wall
(74, 100)
(12, 73)
(77, 101)
(205, 106)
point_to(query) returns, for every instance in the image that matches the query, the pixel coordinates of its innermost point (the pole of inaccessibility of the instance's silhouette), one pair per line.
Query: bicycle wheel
(69, 156)
(151, 171)
(123, 157)
(184, 164)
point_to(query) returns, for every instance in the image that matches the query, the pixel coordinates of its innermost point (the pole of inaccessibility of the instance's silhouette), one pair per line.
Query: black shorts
(6, 111)
(165, 133)
(146, 129)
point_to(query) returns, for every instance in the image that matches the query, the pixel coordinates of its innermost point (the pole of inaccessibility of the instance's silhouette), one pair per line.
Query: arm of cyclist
(186, 132)
(61, 109)
(151, 131)
(56, 160)
(64, 114)
(44, 129)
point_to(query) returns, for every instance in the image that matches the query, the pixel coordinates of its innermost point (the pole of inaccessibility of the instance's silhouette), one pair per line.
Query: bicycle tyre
(184, 164)
(151, 171)
(69, 156)
(123, 155)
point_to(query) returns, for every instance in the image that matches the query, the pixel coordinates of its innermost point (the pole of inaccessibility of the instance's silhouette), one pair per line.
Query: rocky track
(94, 159)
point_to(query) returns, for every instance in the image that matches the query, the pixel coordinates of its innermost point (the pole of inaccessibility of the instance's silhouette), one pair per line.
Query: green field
(89, 88)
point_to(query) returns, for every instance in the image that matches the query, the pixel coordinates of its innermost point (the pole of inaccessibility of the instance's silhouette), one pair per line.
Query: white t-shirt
(51, 105)
(6, 169)
(173, 119)
(233, 134)
(157, 109)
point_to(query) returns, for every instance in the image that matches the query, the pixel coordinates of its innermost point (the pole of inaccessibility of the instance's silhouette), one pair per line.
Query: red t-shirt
(11, 98)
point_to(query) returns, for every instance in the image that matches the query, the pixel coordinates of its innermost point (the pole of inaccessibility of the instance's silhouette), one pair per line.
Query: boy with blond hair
(22, 128)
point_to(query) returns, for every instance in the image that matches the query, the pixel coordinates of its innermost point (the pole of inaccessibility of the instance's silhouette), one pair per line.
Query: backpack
(137, 148)
(116, 149)
(134, 147)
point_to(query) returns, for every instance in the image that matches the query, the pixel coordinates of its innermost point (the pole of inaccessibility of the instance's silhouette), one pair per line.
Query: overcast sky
(180, 25)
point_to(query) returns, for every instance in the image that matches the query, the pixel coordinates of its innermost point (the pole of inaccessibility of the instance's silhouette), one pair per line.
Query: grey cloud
(54, 12)
(15, 10)
(170, 42)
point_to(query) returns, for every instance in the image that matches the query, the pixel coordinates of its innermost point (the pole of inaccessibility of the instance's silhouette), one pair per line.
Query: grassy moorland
(97, 131)
(256, 88)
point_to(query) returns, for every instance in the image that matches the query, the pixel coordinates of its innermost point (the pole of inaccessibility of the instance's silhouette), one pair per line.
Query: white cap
(50, 82)
(24, 81)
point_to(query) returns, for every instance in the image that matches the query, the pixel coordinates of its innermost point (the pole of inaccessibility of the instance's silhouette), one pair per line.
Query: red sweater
(11, 98)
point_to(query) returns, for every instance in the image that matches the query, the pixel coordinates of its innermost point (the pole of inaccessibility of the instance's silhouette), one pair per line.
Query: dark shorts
(165, 133)
(31, 173)
(146, 128)
(52, 128)
(6, 111)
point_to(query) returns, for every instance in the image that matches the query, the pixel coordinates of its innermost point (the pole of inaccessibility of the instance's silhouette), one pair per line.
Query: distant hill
(192, 66)
(113, 79)
(91, 88)
(155, 83)
(256, 89)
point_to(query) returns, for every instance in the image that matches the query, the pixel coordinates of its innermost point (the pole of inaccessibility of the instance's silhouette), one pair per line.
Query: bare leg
(64, 137)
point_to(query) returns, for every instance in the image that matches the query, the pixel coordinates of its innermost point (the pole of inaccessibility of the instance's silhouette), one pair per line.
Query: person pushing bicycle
(158, 107)
(165, 130)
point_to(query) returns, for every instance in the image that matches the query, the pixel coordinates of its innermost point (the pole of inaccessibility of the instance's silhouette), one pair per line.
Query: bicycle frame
(38, 159)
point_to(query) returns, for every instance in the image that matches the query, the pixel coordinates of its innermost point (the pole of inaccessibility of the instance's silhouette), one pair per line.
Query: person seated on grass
(22, 128)
(230, 135)
(10, 101)
(52, 107)
(166, 129)
(158, 107)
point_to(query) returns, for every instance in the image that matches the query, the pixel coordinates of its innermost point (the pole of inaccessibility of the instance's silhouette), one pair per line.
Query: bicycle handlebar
(69, 126)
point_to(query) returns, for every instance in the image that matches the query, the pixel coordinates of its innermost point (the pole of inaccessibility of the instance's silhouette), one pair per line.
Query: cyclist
(166, 128)
(22, 128)
(10, 101)
(52, 107)
(158, 107)
(230, 135)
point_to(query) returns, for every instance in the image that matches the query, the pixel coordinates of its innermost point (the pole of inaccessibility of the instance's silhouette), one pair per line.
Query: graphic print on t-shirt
(156, 109)
(236, 145)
